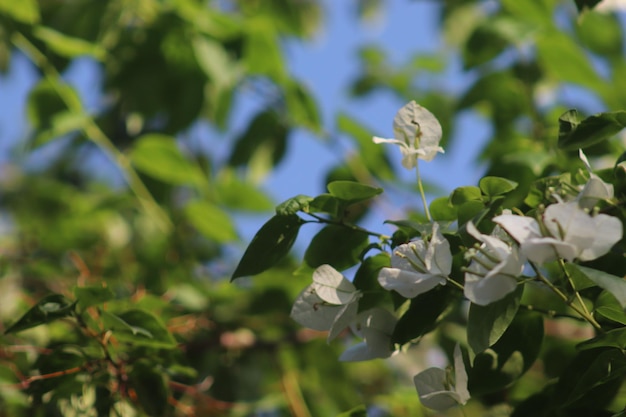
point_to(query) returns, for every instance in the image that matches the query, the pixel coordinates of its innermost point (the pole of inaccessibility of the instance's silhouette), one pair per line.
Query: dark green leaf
(494, 186)
(294, 205)
(575, 134)
(422, 315)
(486, 324)
(93, 295)
(588, 370)
(326, 203)
(48, 309)
(150, 387)
(607, 306)
(511, 356)
(337, 246)
(270, 244)
(352, 192)
(366, 280)
(583, 5)
(139, 328)
(612, 338)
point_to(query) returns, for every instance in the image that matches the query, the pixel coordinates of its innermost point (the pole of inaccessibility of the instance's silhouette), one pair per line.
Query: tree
(115, 297)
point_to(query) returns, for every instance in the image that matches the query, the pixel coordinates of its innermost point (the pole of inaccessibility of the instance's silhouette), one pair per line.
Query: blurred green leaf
(583, 5)
(158, 156)
(48, 309)
(150, 388)
(358, 411)
(25, 11)
(486, 324)
(576, 134)
(337, 246)
(237, 194)
(602, 33)
(49, 113)
(92, 295)
(68, 46)
(262, 53)
(210, 220)
(139, 328)
(270, 244)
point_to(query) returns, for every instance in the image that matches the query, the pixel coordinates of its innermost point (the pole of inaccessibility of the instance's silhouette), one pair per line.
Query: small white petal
(608, 231)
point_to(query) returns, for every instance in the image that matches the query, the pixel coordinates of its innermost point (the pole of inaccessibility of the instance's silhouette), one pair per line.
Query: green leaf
(575, 134)
(48, 309)
(158, 156)
(566, 61)
(441, 210)
(494, 186)
(234, 193)
(462, 195)
(602, 33)
(326, 203)
(486, 324)
(24, 11)
(352, 192)
(612, 338)
(92, 295)
(366, 280)
(588, 370)
(422, 314)
(302, 107)
(373, 156)
(607, 306)
(262, 52)
(511, 356)
(51, 109)
(147, 381)
(139, 328)
(358, 411)
(611, 283)
(337, 246)
(211, 221)
(68, 46)
(583, 5)
(294, 205)
(270, 244)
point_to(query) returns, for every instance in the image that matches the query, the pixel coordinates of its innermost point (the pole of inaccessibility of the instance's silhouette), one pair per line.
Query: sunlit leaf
(211, 221)
(25, 11)
(494, 186)
(68, 46)
(352, 192)
(159, 156)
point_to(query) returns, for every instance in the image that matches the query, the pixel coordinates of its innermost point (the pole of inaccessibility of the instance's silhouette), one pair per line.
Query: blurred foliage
(115, 300)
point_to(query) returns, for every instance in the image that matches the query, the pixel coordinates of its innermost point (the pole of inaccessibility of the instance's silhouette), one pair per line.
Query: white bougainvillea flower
(329, 304)
(595, 189)
(494, 268)
(418, 133)
(438, 390)
(418, 266)
(375, 326)
(570, 233)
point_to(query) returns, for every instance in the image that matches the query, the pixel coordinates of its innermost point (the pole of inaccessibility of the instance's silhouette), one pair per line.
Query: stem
(350, 226)
(93, 133)
(455, 284)
(551, 313)
(420, 186)
(583, 313)
(571, 283)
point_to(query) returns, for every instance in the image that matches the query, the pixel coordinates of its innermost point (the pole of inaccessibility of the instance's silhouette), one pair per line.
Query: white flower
(419, 266)
(330, 303)
(570, 233)
(375, 326)
(494, 268)
(418, 133)
(595, 189)
(435, 388)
